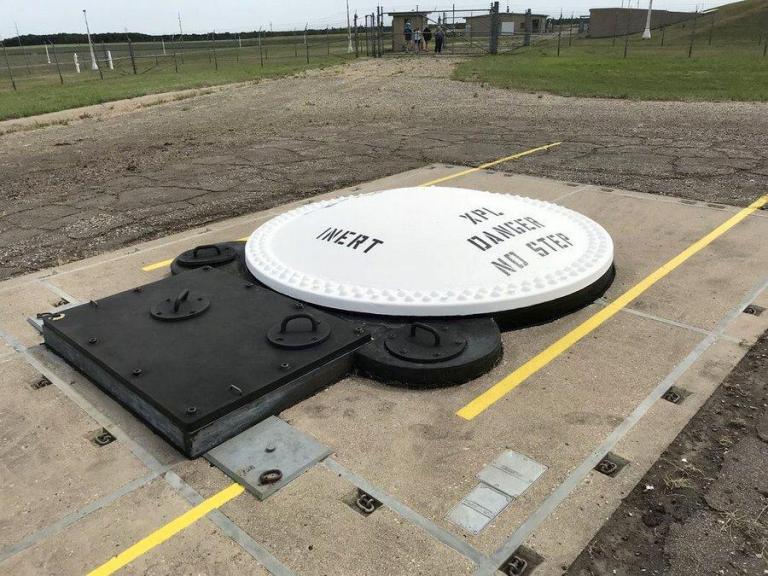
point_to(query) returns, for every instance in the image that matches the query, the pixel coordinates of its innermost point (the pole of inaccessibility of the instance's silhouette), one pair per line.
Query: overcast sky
(160, 16)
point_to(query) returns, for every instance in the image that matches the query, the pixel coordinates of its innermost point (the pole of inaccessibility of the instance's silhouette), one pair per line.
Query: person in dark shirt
(408, 35)
(439, 39)
(427, 35)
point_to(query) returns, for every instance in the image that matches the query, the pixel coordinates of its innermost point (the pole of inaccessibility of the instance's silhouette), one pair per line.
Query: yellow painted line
(157, 265)
(172, 528)
(166, 263)
(490, 164)
(505, 386)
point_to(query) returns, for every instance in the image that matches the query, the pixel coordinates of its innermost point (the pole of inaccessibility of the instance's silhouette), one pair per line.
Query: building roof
(507, 14)
(410, 13)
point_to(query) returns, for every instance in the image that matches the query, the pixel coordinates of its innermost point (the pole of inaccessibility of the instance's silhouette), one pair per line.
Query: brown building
(511, 23)
(417, 19)
(605, 22)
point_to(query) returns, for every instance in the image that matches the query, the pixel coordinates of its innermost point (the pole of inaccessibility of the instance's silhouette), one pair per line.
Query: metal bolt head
(299, 306)
(92, 340)
(136, 372)
(191, 410)
(270, 448)
(285, 366)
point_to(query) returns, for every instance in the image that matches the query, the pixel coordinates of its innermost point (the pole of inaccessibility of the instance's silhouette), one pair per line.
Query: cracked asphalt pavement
(116, 176)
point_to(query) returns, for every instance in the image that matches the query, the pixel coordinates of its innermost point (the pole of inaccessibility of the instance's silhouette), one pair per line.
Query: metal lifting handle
(206, 247)
(183, 295)
(426, 328)
(284, 323)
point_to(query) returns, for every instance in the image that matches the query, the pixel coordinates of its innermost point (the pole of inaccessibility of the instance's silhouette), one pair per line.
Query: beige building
(511, 23)
(418, 21)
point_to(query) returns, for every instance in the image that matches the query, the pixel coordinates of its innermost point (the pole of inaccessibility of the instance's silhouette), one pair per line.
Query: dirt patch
(118, 176)
(703, 506)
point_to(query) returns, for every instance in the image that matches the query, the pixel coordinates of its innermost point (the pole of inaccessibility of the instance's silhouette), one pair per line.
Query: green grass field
(39, 89)
(732, 67)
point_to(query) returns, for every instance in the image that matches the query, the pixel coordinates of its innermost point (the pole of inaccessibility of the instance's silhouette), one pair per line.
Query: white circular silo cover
(429, 251)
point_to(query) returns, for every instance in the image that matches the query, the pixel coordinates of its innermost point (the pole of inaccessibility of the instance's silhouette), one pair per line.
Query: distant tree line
(113, 37)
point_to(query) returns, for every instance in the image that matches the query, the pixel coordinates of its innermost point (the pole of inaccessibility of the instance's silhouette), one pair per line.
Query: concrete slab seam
(443, 536)
(231, 529)
(167, 531)
(669, 322)
(74, 517)
(58, 291)
(575, 477)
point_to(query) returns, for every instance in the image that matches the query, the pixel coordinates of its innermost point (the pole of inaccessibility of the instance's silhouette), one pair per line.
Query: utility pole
(94, 65)
(350, 49)
(647, 31)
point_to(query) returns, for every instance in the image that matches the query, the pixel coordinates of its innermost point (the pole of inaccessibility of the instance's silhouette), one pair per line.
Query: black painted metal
(472, 347)
(230, 258)
(201, 380)
(424, 343)
(310, 331)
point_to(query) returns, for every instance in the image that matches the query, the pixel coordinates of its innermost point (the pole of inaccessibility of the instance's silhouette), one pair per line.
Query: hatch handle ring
(426, 328)
(183, 295)
(206, 247)
(287, 319)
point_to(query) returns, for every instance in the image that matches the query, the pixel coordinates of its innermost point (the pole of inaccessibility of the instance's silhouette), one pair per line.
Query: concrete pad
(49, 465)
(200, 549)
(596, 498)
(428, 457)
(646, 233)
(410, 443)
(311, 527)
(112, 411)
(19, 303)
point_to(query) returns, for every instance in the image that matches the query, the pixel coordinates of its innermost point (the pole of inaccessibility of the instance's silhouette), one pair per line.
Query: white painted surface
(429, 251)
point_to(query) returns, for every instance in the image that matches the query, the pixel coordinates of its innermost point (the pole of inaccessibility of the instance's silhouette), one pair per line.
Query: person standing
(427, 34)
(439, 39)
(408, 35)
(417, 40)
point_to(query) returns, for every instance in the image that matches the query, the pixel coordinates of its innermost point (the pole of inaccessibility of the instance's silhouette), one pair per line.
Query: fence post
(133, 57)
(693, 31)
(615, 25)
(560, 32)
(662, 35)
(528, 25)
(7, 63)
(77, 63)
(493, 42)
(626, 34)
(261, 54)
(56, 59)
(215, 59)
(570, 30)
